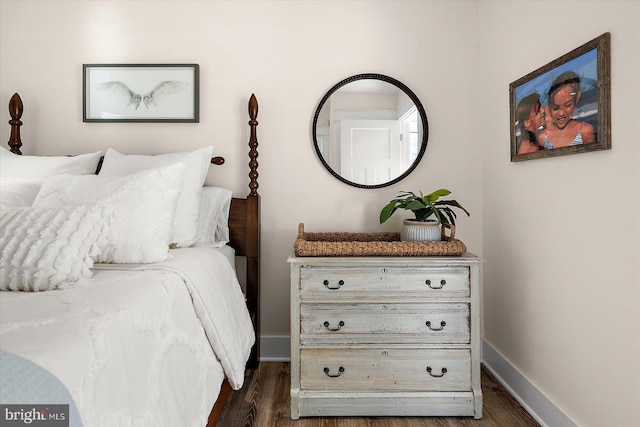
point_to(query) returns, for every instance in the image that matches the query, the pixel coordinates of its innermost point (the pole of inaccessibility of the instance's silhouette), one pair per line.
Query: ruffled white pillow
(45, 249)
(42, 167)
(143, 204)
(185, 222)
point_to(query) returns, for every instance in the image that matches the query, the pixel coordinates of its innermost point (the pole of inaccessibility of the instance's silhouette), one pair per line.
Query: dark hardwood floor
(264, 402)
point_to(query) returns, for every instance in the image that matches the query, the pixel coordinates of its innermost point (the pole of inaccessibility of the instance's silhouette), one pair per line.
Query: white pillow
(185, 221)
(45, 249)
(18, 192)
(213, 222)
(143, 205)
(42, 167)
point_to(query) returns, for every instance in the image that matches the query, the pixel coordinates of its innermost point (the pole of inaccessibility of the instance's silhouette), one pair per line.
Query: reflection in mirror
(370, 131)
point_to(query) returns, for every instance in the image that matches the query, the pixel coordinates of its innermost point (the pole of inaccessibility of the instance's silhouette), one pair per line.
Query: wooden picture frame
(563, 107)
(140, 93)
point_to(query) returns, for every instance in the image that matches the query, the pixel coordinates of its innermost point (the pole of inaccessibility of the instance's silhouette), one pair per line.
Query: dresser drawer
(320, 283)
(385, 369)
(384, 323)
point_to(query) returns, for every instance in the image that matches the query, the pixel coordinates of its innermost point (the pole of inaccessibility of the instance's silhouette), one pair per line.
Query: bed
(123, 306)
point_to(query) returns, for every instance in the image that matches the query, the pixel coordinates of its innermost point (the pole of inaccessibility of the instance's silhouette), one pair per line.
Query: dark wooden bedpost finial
(15, 110)
(253, 145)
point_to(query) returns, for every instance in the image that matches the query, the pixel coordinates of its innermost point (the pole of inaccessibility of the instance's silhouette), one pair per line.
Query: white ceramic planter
(418, 231)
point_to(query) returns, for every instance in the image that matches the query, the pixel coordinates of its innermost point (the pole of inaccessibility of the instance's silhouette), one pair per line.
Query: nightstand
(385, 336)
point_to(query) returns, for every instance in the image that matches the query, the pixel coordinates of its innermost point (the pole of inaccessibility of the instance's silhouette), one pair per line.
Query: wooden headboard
(244, 215)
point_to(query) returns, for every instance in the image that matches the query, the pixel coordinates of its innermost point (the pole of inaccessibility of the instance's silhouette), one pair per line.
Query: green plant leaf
(415, 205)
(422, 214)
(404, 194)
(437, 194)
(453, 203)
(450, 214)
(387, 211)
(438, 216)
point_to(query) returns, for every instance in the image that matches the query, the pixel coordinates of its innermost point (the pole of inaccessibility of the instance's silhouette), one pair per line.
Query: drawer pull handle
(444, 371)
(340, 325)
(340, 371)
(442, 325)
(442, 283)
(340, 283)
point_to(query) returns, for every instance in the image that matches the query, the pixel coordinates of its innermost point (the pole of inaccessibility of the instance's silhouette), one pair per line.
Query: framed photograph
(564, 106)
(140, 93)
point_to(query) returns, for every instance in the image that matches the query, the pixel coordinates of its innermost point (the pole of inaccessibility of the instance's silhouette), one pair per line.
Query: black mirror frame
(399, 85)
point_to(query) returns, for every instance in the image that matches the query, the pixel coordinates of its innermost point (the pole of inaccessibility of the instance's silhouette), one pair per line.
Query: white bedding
(228, 252)
(138, 345)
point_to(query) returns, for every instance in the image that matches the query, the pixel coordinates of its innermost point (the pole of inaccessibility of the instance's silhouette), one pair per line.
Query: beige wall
(289, 54)
(560, 296)
(561, 235)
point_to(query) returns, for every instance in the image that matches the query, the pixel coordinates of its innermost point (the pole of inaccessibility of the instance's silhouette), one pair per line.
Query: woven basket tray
(370, 244)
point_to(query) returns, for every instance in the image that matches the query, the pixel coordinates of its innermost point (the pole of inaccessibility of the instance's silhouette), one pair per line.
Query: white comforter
(142, 345)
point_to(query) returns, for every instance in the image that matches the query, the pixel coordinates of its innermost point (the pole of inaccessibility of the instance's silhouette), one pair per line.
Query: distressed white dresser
(385, 336)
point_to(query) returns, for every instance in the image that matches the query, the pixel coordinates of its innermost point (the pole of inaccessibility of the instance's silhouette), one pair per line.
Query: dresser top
(464, 259)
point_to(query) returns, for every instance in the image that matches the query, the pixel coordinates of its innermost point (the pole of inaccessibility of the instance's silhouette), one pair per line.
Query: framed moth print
(564, 106)
(140, 93)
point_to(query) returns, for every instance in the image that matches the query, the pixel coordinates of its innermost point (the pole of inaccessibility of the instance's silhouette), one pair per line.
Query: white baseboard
(539, 406)
(275, 349)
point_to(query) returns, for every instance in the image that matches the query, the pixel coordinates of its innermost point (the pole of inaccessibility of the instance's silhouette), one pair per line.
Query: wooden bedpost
(253, 233)
(253, 145)
(15, 110)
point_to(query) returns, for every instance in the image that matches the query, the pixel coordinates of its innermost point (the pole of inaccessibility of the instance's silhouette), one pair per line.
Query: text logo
(34, 415)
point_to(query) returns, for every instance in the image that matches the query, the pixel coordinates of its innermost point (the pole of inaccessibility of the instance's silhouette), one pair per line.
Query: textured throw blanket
(138, 345)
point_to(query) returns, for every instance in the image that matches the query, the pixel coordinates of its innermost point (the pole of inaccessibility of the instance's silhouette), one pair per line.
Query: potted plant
(424, 208)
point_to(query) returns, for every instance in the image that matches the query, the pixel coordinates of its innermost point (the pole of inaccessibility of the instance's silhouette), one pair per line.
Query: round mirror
(370, 131)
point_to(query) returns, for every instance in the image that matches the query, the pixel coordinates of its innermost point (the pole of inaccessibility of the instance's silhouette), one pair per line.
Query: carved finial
(15, 110)
(253, 107)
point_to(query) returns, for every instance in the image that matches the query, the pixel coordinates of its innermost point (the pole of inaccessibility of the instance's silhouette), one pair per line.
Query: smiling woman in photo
(563, 130)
